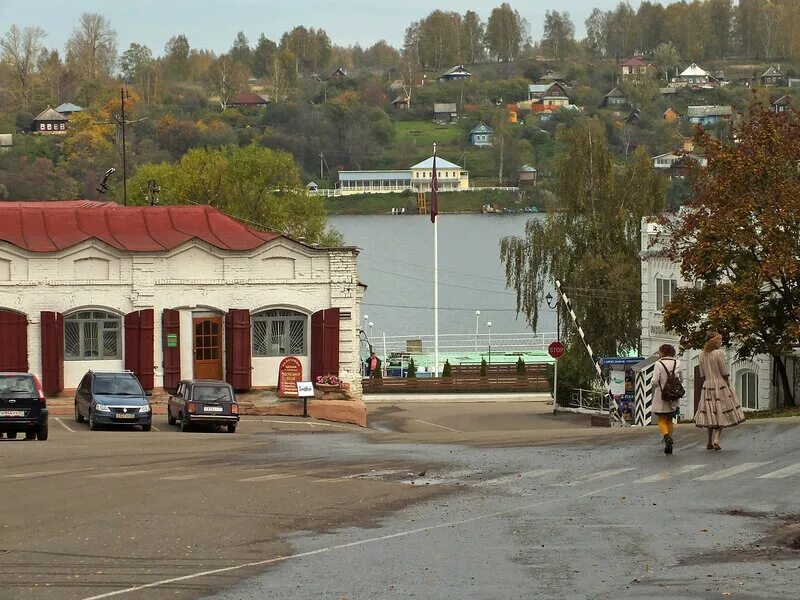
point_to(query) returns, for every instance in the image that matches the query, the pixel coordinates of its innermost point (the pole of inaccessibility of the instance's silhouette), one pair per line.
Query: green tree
(667, 57)
(591, 244)
(520, 366)
(241, 52)
(262, 56)
(447, 370)
(559, 34)
(411, 370)
(740, 239)
(472, 37)
(176, 56)
(506, 32)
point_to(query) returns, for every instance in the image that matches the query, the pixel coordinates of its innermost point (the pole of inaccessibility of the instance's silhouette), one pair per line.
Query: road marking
(45, 473)
(731, 471)
(271, 477)
(310, 423)
(781, 473)
(669, 473)
(435, 425)
(64, 425)
(156, 428)
(178, 477)
(594, 477)
(605, 489)
(114, 474)
(279, 559)
(512, 478)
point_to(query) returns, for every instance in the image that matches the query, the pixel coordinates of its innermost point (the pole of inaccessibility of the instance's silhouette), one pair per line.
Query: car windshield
(211, 394)
(118, 386)
(17, 384)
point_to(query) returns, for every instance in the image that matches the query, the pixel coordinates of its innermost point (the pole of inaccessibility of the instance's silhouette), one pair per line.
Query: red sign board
(290, 371)
(556, 350)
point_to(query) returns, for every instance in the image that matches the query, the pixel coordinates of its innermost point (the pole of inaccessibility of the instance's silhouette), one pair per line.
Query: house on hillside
(615, 98)
(68, 108)
(671, 115)
(527, 175)
(49, 122)
(781, 105)
(338, 74)
(457, 73)
(774, 77)
(248, 100)
(637, 68)
(401, 102)
(170, 293)
(551, 76)
(708, 115)
(481, 135)
(445, 112)
(678, 165)
(548, 94)
(694, 76)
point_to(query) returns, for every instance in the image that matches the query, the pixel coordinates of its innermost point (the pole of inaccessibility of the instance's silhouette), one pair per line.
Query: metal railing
(463, 342)
(589, 400)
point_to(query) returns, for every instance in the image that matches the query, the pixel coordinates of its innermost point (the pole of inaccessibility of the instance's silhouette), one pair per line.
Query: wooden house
(445, 112)
(457, 73)
(615, 98)
(248, 100)
(49, 122)
(552, 94)
(527, 175)
(671, 115)
(481, 135)
(637, 68)
(774, 77)
(401, 102)
(68, 108)
(781, 105)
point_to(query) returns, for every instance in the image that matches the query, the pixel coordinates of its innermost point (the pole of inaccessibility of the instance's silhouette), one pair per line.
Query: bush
(520, 366)
(447, 370)
(412, 369)
(484, 367)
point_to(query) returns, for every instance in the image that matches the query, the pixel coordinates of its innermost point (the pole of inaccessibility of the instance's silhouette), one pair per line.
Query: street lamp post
(477, 318)
(489, 325)
(550, 304)
(370, 329)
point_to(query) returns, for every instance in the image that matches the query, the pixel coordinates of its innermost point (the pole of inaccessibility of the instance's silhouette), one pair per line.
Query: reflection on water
(396, 263)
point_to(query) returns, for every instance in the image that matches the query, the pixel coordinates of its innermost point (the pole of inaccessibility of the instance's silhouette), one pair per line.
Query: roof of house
(783, 100)
(49, 114)
(481, 128)
(635, 62)
(615, 93)
(694, 71)
(709, 111)
(401, 99)
(542, 89)
(68, 107)
(248, 98)
(456, 70)
(388, 175)
(53, 226)
(339, 72)
(440, 164)
(772, 71)
(527, 169)
(444, 107)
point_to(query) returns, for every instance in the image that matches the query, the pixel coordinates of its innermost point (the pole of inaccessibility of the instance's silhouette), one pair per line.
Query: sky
(213, 24)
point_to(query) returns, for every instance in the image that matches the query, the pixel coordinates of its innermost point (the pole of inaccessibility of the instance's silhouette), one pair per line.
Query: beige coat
(662, 369)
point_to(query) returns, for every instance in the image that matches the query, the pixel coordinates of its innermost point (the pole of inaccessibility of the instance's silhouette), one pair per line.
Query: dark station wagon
(203, 401)
(23, 408)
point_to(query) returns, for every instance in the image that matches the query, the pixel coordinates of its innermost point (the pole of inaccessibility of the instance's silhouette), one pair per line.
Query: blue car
(105, 398)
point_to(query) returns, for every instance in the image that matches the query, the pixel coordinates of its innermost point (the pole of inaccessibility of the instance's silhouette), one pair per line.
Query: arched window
(92, 335)
(747, 382)
(279, 332)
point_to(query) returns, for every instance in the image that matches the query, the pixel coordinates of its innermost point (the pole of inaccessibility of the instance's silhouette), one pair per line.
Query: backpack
(672, 389)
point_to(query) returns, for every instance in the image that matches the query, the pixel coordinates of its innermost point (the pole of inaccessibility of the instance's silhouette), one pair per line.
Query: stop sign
(556, 350)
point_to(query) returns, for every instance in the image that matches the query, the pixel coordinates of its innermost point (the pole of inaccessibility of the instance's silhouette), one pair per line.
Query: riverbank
(449, 202)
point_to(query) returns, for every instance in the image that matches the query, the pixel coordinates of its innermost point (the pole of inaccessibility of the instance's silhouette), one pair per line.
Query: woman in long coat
(719, 407)
(665, 411)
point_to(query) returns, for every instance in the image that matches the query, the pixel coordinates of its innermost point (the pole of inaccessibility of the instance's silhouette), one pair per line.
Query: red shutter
(52, 329)
(325, 342)
(139, 342)
(171, 324)
(238, 355)
(14, 346)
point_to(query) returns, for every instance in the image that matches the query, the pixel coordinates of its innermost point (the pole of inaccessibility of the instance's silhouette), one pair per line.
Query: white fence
(336, 192)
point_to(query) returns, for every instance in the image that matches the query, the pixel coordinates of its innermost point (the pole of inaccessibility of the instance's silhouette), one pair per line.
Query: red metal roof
(52, 226)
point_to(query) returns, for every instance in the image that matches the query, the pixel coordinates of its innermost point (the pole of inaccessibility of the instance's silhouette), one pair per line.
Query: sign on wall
(290, 371)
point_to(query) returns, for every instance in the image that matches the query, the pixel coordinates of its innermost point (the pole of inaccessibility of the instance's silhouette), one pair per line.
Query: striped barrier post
(613, 406)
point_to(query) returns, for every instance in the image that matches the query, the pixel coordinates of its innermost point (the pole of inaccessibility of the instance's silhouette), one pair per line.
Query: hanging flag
(434, 191)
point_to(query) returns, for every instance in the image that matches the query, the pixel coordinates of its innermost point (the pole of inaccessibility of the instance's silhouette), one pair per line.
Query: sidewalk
(456, 398)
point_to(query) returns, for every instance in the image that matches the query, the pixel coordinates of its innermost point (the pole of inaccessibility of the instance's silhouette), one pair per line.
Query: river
(396, 263)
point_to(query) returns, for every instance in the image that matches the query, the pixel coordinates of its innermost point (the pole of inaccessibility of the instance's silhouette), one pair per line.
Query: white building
(169, 292)
(451, 178)
(660, 279)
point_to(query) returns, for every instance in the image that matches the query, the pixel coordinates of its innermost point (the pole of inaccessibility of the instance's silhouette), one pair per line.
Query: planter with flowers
(327, 384)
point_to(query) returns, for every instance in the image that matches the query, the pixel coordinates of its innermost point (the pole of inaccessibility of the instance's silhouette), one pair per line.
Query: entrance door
(207, 348)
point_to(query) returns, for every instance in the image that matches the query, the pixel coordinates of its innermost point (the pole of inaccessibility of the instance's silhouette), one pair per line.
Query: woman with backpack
(718, 407)
(667, 392)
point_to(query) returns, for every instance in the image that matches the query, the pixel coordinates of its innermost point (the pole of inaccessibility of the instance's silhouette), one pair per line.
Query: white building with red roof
(171, 293)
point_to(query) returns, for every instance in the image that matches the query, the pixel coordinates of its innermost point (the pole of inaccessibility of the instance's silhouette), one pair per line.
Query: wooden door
(207, 347)
(14, 349)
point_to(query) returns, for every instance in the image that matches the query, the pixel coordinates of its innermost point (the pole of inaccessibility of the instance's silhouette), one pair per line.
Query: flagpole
(435, 178)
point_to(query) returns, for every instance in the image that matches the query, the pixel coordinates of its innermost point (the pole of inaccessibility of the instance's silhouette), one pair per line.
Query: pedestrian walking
(719, 407)
(666, 393)
(373, 364)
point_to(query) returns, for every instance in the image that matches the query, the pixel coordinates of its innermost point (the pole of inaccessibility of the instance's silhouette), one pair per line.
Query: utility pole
(320, 165)
(124, 154)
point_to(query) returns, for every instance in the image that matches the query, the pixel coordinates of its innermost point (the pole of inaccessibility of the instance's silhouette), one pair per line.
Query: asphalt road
(478, 501)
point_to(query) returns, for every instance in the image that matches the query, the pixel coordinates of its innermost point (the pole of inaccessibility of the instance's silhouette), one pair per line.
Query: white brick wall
(192, 278)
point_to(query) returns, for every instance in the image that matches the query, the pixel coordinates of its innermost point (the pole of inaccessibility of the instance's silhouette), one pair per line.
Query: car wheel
(30, 435)
(93, 426)
(12, 435)
(41, 433)
(183, 424)
(147, 426)
(170, 419)
(231, 428)
(78, 416)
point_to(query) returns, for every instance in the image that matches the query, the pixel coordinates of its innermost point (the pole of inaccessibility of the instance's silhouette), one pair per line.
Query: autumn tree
(666, 56)
(739, 240)
(506, 32)
(176, 56)
(19, 50)
(591, 244)
(559, 33)
(92, 48)
(472, 37)
(226, 78)
(262, 56)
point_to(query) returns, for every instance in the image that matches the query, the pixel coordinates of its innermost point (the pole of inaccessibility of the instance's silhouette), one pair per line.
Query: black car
(112, 398)
(204, 401)
(23, 408)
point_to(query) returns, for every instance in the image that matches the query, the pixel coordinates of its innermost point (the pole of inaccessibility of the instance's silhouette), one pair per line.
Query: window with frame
(748, 389)
(279, 332)
(92, 335)
(665, 291)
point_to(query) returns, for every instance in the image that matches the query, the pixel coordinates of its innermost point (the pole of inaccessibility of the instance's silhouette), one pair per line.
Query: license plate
(12, 413)
(125, 415)
(212, 409)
